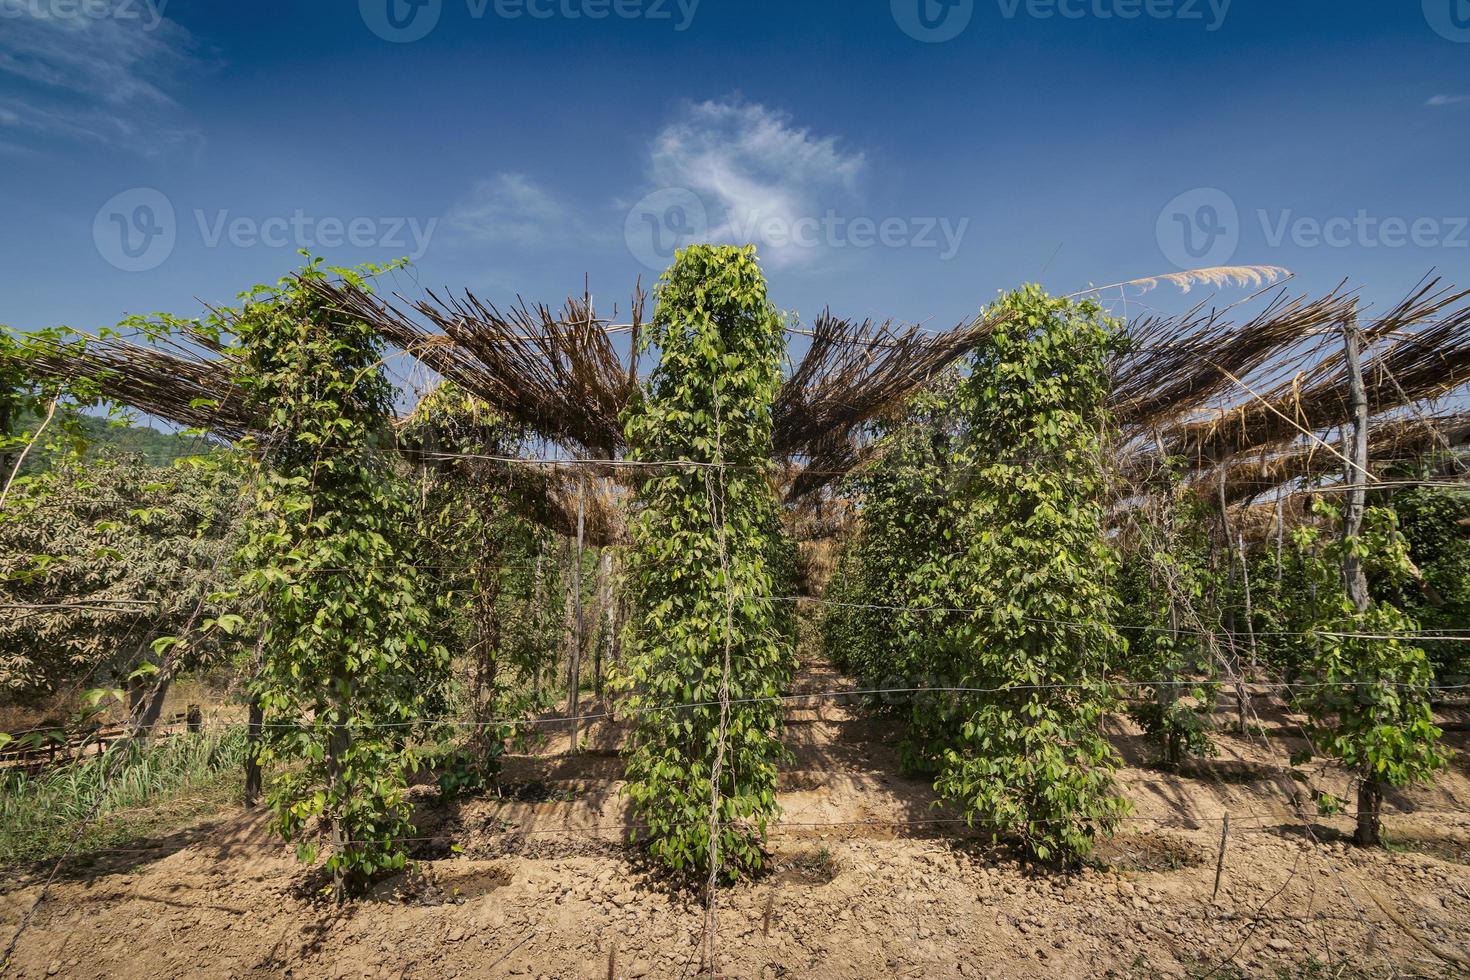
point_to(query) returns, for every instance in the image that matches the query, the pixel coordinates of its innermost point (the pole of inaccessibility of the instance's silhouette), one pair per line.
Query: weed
(152, 789)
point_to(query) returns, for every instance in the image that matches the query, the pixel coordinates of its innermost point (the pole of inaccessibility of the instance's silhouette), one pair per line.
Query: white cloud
(96, 76)
(1442, 100)
(513, 209)
(752, 165)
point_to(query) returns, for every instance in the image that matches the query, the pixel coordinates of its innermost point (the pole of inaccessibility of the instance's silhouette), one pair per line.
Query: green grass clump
(150, 791)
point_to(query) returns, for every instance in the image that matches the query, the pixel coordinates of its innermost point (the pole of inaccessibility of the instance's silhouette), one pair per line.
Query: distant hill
(156, 447)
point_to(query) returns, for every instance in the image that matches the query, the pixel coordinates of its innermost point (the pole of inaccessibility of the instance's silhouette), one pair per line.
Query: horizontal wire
(1427, 636)
(1406, 634)
(787, 699)
(775, 827)
(595, 462)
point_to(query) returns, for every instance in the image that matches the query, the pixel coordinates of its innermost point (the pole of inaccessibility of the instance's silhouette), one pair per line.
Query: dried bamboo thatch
(1394, 443)
(558, 375)
(1256, 401)
(182, 385)
(851, 374)
(1176, 365)
(561, 376)
(1419, 351)
(1284, 382)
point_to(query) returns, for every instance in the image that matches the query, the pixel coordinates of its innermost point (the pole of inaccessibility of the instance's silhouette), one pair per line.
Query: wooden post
(604, 614)
(574, 679)
(1280, 532)
(1355, 448)
(1245, 577)
(253, 731)
(1241, 698)
(1167, 693)
(538, 602)
(1220, 861)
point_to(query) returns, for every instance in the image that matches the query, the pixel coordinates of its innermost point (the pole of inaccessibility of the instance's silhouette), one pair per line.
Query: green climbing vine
(705, 558)
(1165, 581)
(1031, 759)
(348, 666)
(985, 524)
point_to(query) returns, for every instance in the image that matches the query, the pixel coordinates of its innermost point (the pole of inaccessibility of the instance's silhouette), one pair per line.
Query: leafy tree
(92, 434)
(13, 384)
(1369, 700)
(705, 538)
(349, 668)
(131, 548)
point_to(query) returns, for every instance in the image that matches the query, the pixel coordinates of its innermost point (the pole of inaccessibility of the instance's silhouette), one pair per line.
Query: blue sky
(157, 156)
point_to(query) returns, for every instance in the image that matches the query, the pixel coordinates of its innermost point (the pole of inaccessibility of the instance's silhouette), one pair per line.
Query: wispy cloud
(93, 73)
(1442, 100)
(512, 209)
(753, 165)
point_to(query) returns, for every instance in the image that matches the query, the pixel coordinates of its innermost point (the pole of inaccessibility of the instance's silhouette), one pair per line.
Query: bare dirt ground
(870, 879)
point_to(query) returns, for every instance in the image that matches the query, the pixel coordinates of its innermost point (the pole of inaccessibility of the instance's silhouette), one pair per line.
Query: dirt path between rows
(870, 880)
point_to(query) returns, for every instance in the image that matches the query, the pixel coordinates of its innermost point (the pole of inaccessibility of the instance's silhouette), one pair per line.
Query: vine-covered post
(348, 672)
(707, 657)
(1035, 568)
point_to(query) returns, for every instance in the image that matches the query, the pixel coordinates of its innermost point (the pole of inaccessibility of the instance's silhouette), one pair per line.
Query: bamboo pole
(574, 671)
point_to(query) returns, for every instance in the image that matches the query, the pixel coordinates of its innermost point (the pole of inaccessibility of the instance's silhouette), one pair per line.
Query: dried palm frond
(1434, 445)
(1174, 367)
